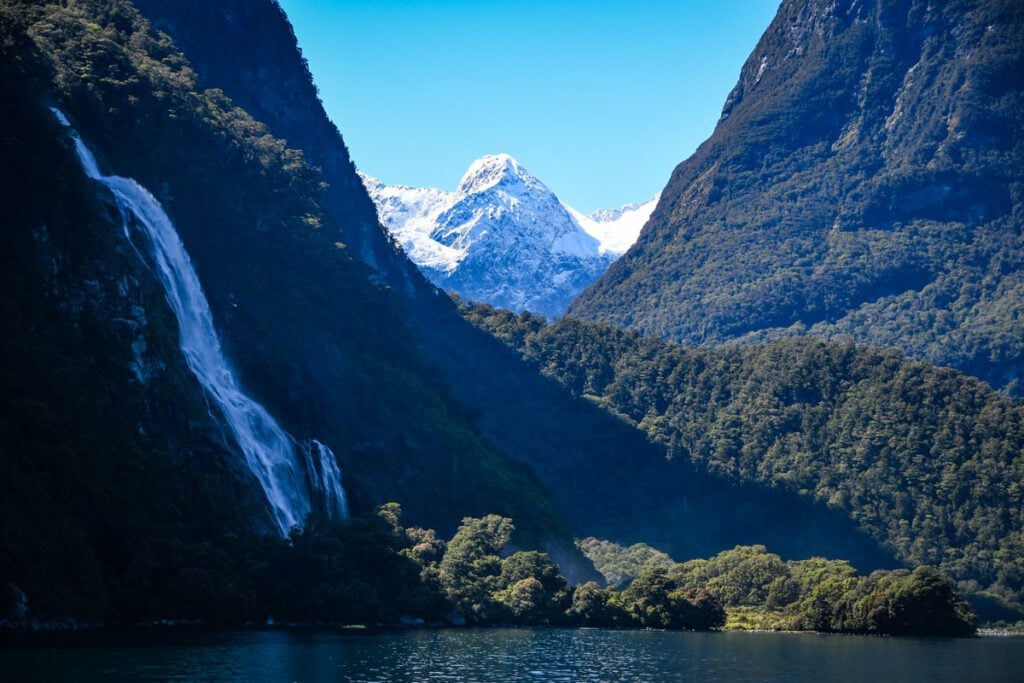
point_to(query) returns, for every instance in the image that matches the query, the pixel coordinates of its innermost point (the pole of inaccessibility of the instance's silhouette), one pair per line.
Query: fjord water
(270, 453)
(514, 655)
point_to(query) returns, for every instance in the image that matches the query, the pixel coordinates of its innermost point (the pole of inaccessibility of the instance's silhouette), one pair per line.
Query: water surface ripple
(510, 655)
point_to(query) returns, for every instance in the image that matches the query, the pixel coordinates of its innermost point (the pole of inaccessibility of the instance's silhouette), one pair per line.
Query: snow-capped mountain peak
(499, 204)
(493, 170)
(503, 237)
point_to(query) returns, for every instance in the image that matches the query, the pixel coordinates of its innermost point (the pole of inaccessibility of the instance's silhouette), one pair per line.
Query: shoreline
(60, 629)
(999, 633)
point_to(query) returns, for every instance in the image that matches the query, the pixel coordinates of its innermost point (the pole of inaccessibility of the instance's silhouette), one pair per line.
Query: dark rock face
(248, 50)
(864, 181)
(110, 455)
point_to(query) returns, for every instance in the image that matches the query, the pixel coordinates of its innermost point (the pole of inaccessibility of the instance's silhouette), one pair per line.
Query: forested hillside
(118, 474)
(864, 181)
(759, 590)
(114, 475)
(115, 463)
(926, 460)
(602, 476)
(124, 495)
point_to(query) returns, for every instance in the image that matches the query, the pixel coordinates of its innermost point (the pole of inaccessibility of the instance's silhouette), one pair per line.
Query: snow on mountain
(616, 229)
(504, 238)
(410, 214)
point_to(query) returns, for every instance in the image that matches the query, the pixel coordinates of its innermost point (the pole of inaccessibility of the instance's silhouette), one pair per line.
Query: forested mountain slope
(114, 474)
(121, 481)
(926, 460)
(604, 479)
(123, 494)
(865, 181)
(248, 50)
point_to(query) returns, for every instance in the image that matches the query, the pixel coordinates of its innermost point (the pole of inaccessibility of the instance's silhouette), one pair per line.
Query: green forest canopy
(926, 460)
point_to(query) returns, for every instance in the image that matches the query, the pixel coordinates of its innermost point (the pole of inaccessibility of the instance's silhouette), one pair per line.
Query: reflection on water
(510, 655)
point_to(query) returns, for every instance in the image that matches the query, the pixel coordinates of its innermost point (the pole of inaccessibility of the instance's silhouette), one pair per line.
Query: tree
(922, 602)
(525, 601)
(822, 585)
(705, 612)
(655, 601)
(470, 569)
(596, 606)
(533, 588)
(746, 575)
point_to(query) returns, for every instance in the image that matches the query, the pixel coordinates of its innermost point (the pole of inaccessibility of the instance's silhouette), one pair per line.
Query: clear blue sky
(600, 100)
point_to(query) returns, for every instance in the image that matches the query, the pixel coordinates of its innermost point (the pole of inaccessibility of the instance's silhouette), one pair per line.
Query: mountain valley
(243, 381)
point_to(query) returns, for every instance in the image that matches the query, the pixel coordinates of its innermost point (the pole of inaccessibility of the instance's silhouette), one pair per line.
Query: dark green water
(511, 655)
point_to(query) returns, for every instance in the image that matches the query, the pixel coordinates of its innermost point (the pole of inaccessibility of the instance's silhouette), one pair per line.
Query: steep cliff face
(115, 474)
(248, 50)
(864, 181)
(387, 374)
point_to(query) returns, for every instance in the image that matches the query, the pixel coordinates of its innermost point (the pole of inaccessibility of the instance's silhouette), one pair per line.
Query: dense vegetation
(865, 181)
(372, 570)
(618, 564)
(759, 590)
(925, 460)
(115, 468)
(115, 474)
(122, 497)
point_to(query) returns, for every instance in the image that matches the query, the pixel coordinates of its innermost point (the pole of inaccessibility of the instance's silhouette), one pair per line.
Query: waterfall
(324, 476)
(269, 452)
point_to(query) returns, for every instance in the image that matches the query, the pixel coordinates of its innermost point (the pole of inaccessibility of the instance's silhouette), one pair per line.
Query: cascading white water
(324, 476)
(269, 452)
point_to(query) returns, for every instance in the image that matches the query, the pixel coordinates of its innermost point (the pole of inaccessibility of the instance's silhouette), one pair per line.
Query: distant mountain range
(504, 238)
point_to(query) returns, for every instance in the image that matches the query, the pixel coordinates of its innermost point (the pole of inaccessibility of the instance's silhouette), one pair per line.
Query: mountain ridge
(504, 237)
(862, 182)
